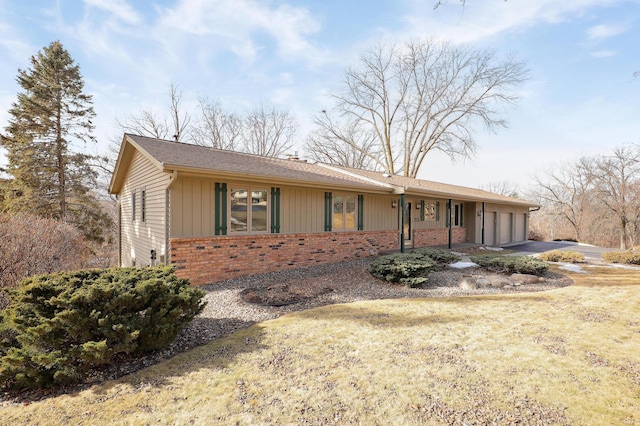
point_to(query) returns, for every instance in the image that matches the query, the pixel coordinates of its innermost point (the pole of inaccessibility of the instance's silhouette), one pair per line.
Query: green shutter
(275, 210)
(220, 208)
(422, 210)
(448, 214)
(360, 212)
(328, 211)
(437, 211)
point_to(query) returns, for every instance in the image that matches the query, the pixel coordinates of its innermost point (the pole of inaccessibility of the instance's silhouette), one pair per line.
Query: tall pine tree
(50, 122)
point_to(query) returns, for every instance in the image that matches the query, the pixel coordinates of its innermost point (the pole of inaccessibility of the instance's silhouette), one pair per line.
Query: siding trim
(360, 212)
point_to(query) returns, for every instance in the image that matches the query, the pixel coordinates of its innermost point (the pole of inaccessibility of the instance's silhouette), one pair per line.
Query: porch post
(482, 238)
(450, 222)
(402, 223)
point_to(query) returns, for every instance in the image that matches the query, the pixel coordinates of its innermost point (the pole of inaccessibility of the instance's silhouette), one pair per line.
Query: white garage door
(505, 228)
(490, 228)
(521, 232)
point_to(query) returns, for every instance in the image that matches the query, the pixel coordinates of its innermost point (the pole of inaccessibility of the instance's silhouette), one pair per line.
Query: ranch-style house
(220, 214)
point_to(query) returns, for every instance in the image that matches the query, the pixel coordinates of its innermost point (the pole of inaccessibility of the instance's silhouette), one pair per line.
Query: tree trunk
(61, 166)
(623, 234)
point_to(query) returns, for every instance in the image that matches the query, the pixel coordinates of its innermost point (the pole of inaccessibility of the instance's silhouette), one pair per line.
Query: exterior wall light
(394, 204)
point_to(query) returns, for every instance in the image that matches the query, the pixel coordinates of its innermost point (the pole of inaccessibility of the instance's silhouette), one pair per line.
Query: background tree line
(595, 199)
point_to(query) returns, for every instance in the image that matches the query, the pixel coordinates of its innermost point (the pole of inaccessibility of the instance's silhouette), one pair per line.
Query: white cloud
(241, 25)
(481, 20)
(603, 53)
(602, 31)
(12, 45)
(120, 8)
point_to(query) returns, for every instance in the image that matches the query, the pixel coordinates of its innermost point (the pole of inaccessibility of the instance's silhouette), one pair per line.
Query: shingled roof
(171, 156)
(437, 189)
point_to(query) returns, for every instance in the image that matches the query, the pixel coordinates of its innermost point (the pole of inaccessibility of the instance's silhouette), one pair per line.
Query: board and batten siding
(138, 238)
(192, 207)
(301, 209)
(378, 213)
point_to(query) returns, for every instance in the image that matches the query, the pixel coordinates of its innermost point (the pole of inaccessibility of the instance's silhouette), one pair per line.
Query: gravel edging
(343, 282)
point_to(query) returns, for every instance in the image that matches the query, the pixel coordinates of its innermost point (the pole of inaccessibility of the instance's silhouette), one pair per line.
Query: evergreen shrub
(403, 267)
(441, 257)
(60, 326)
(562, 256)
(624, 257)
(511, 264)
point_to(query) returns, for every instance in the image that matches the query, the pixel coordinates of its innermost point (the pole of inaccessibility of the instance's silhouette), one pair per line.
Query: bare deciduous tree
(567, 192)
(31, 245)
(597, 196)
(268, 131)
(504, 187)
(216, 127)
(149, 123)
(146, 123)
(616, 179)
(351, 145)
(421, 96)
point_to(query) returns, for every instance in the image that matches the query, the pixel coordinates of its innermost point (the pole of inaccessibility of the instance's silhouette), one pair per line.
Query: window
(133, 206)
(430, 211)
(344, 212)
(143, 205)
(457, 215)
(248, 210)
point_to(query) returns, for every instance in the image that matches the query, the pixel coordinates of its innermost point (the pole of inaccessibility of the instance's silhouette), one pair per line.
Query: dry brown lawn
(567, 356)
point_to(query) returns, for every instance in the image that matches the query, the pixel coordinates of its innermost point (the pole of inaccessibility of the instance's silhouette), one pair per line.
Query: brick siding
(438, 237)
(211, 259)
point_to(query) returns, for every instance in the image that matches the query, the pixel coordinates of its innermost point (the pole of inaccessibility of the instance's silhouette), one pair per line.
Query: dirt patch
(282, 294)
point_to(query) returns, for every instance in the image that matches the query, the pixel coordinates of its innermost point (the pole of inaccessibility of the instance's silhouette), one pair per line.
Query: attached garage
(490, 228)
(521, 228)
(506, 223)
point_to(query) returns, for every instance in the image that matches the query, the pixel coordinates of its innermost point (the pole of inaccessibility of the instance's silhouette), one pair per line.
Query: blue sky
(581, 99)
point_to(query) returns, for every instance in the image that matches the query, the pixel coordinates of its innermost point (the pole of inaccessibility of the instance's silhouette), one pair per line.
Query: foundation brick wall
(210, 259)
(438, 237)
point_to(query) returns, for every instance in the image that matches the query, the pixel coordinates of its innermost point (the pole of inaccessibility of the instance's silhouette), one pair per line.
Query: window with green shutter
(220, 208)
(275, 210)
(360, 212)
(328, 211)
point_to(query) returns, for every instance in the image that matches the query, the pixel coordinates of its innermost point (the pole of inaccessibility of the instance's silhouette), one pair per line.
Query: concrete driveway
(534, 247)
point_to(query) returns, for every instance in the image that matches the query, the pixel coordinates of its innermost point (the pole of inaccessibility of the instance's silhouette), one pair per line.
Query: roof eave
(419, 192)
(125, 156)
(276, 180)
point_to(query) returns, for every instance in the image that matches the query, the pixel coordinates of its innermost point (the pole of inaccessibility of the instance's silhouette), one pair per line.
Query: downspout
(450, 222)
(482, 236)
(119, 204)
(402, 200)
(167, 217)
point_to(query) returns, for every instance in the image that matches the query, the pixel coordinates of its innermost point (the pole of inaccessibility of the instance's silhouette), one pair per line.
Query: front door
(407, 222)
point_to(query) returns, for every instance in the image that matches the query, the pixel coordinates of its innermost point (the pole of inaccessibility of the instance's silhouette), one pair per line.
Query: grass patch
(568, 356)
